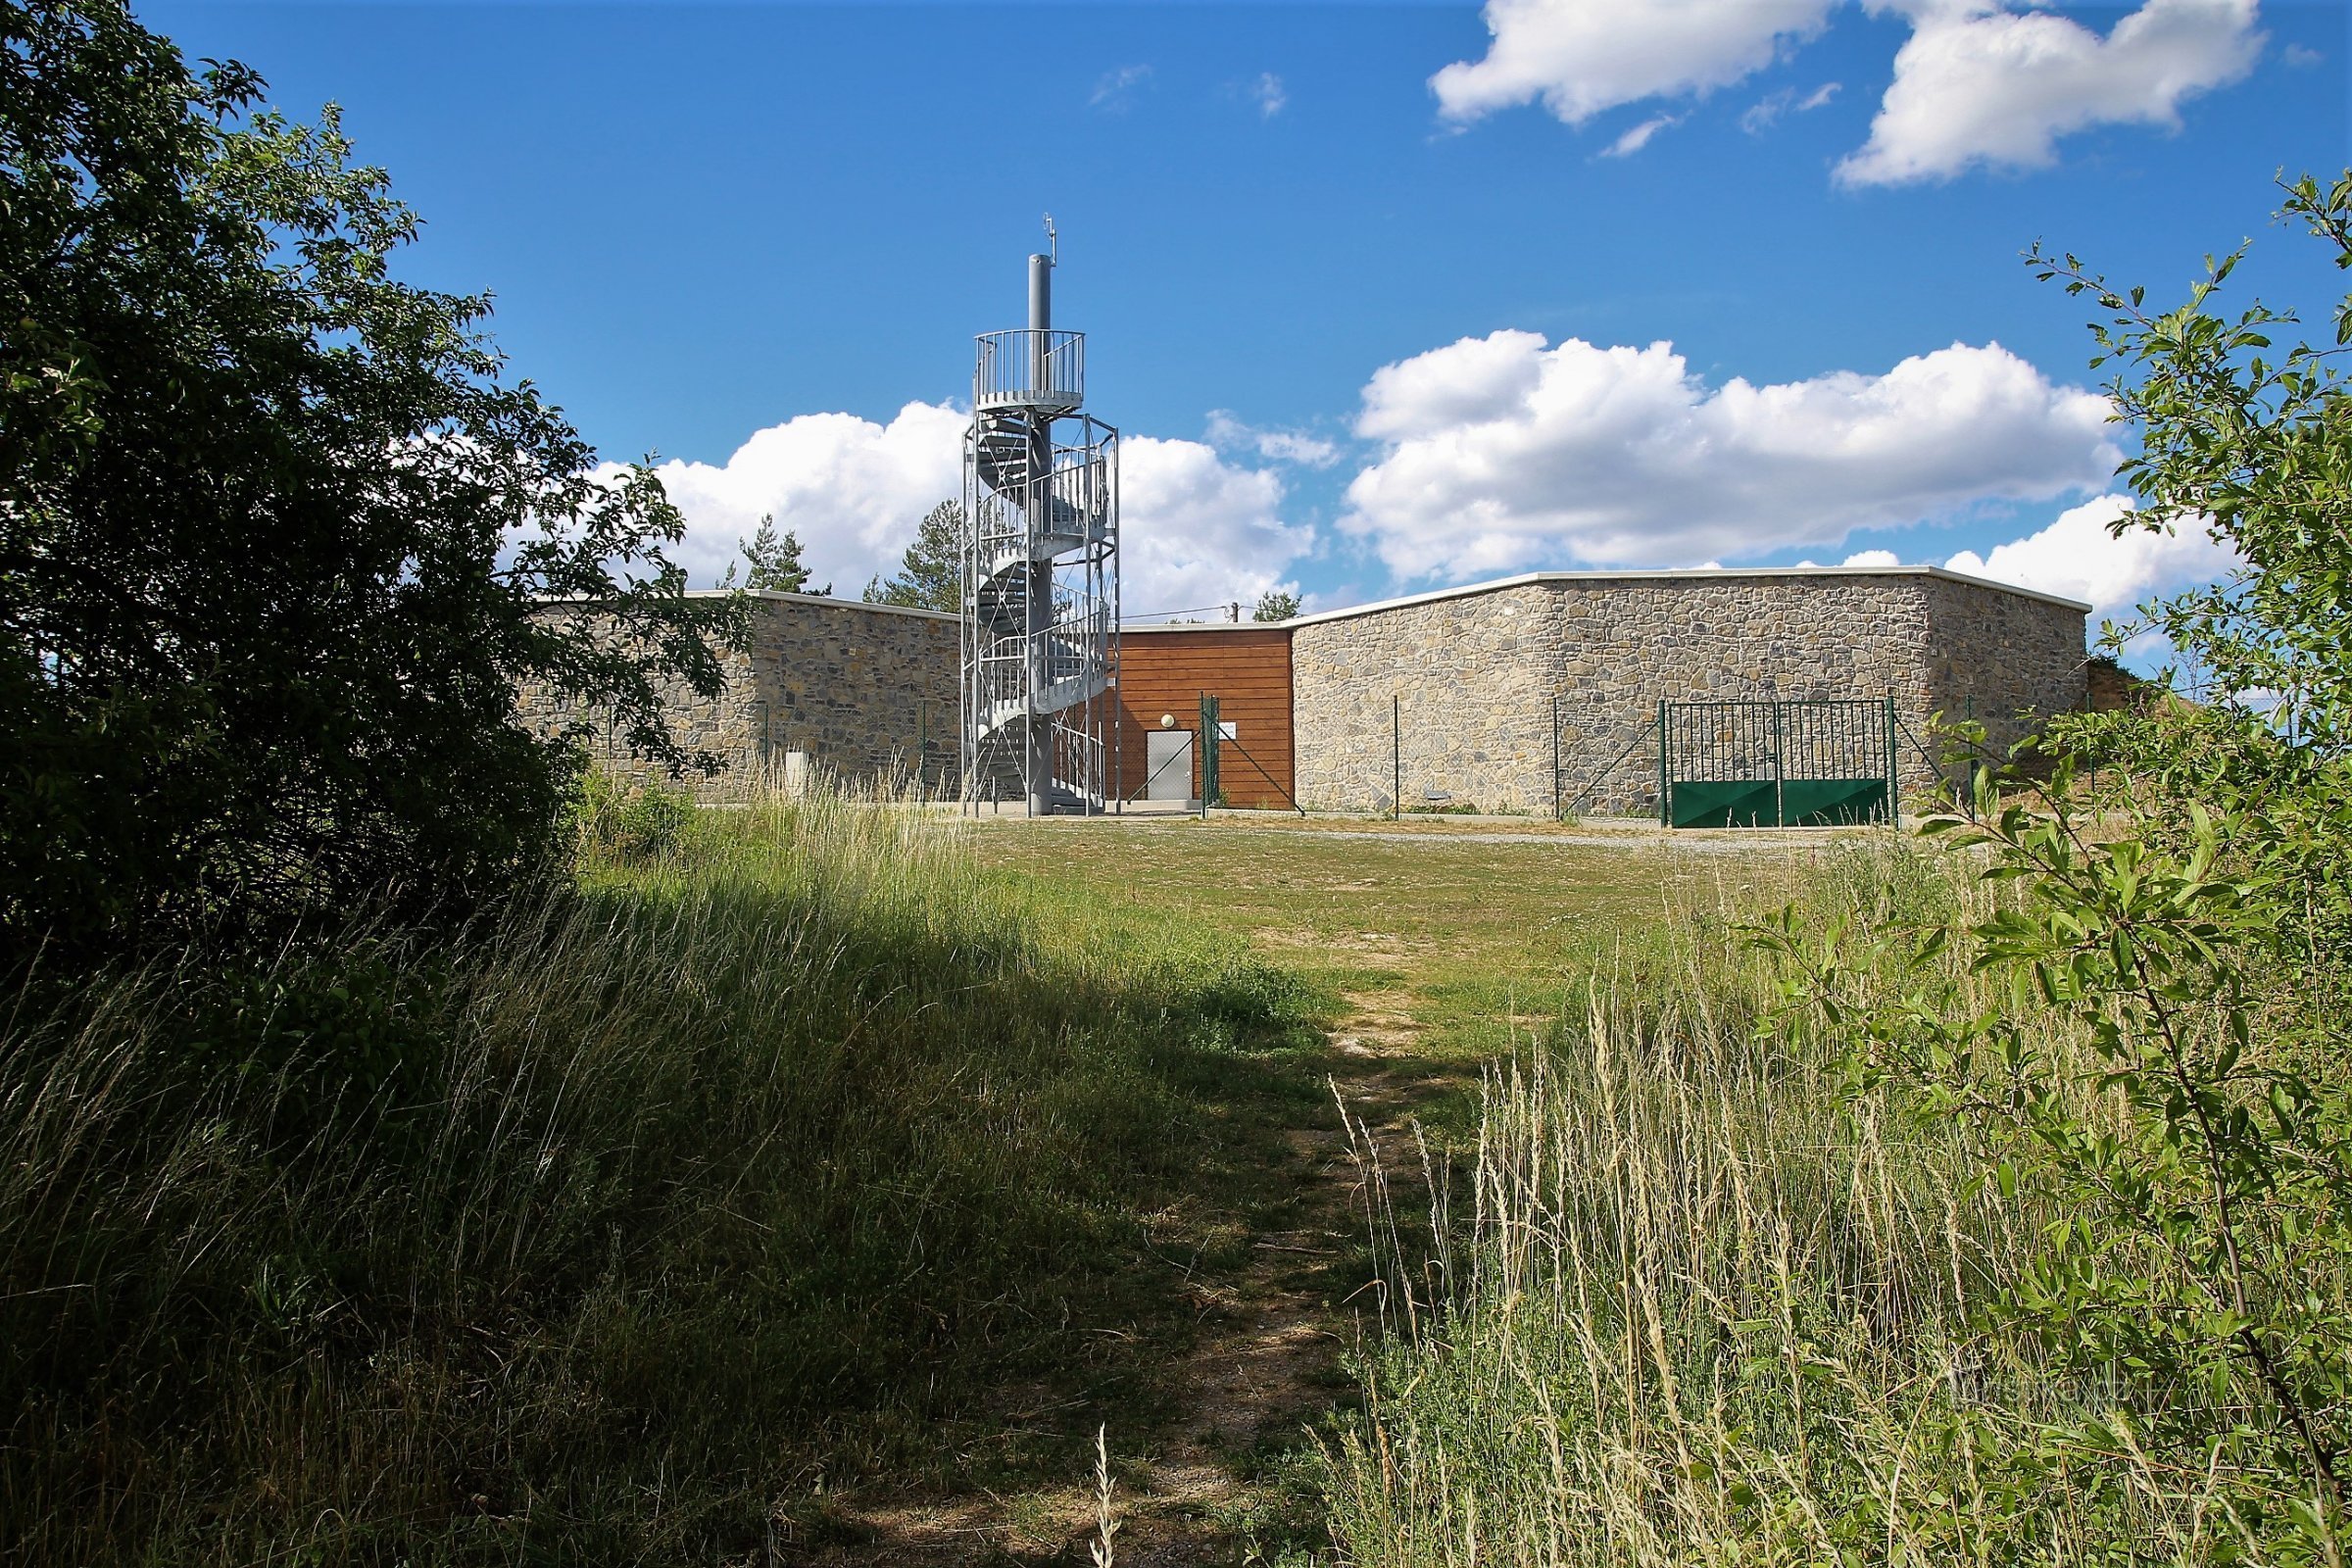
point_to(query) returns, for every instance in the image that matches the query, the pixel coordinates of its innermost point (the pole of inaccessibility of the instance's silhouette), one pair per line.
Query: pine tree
(774, 565)
(931, 573)
(1275, 605)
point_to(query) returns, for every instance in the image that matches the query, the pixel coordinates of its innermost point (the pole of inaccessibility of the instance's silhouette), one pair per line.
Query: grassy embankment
(632, 1227)
(833, 1154)
(1702, 1299)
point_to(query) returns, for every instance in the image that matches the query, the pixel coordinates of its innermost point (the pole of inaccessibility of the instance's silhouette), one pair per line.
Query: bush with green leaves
(631, 823)
(2161, 1063)
(2115, 1046)
(274, 526)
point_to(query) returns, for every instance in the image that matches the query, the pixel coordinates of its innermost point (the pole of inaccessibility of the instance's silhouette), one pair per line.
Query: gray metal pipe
(1041, 572)
(1041, 293)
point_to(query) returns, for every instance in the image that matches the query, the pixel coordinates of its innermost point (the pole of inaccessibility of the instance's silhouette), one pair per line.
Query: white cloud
(1767, 111)
(2076, 557)
(2300, 57)
(1115, 90)
(854, 490)
(1634, 140)
(1266, 92)
(851, 489)
(1278, 446)
(1194, 530)
(1976, 83)
(1581, 56)
(1503, 454)
(1872, 557)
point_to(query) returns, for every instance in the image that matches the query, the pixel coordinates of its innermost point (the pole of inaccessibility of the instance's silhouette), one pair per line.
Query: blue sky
(1378, 293)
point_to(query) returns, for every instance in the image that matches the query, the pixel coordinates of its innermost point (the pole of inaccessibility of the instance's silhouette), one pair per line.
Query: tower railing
(1028, 368)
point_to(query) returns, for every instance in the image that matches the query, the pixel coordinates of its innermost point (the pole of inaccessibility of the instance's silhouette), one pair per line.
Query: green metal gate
(1776, 764)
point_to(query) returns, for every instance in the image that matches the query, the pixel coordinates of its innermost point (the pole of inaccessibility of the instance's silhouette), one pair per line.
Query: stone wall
(868, 692)
(2001, 658)
(1473, 676)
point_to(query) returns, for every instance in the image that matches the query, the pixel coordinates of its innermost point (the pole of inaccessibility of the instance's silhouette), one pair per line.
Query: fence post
(1895, 808)
(1665, 811)
(1397, 757)
(1204, 748)
(1560, 812)
(1779, 770)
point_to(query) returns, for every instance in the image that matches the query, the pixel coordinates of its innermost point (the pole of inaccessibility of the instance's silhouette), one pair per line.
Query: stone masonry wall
(1474, 677)
(1999, 658)
(867, 691)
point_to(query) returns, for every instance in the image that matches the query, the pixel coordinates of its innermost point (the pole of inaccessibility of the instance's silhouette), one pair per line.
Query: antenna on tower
(1052, 242)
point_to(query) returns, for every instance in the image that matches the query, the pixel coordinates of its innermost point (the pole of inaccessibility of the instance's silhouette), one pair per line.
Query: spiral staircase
(1040, 574)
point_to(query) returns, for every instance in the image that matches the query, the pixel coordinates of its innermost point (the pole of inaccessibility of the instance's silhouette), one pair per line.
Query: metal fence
(1776, 765)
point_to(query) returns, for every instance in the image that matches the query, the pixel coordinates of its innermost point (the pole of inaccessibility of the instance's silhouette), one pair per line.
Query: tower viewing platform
(1030, 369)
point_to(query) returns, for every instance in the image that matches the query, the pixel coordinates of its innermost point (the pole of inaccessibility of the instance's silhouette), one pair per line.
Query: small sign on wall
(1228, 730)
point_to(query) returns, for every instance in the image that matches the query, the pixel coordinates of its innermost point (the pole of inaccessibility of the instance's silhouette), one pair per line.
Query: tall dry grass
(622, 1228)
(1695, 1303)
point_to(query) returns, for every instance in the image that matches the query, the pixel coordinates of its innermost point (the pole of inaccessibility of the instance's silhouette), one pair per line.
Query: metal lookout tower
(1040, 570)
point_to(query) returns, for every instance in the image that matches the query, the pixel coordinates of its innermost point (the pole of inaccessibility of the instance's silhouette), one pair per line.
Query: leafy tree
(931, 572)
(2254, 441)
(276, 532)
(2145, 1032)
(1275, 605)
(774, 565)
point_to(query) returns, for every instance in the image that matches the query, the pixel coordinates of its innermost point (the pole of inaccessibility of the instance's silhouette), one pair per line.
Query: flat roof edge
(1682, 574)
(832, 600)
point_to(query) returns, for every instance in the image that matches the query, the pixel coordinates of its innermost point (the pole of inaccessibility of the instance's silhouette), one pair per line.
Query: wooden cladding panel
(1247, 669)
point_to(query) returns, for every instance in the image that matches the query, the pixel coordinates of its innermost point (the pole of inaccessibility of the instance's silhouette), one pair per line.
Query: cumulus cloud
(1266, 92)
(1581, 56)
(1637, 138)
(1194, 529)
(1872, 557)
(851, 489)
(1503, 454)
(854, 490)
(2076, 557)
(1979, 84)
(1278, 446)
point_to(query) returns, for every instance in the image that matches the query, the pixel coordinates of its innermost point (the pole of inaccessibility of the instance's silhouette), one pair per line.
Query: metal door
(1168, 764)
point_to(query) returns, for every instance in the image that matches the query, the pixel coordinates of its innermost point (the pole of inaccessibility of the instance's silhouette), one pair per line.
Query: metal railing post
(1780, 771)
(1665, 811)
(1894, 809)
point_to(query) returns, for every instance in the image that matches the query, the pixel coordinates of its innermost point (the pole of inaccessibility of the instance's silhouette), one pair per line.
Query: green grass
(1462, 934)
(803, 1156)
(1691, 1297)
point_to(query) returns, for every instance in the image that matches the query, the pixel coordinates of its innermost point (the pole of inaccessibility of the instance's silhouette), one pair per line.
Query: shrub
(276, 531)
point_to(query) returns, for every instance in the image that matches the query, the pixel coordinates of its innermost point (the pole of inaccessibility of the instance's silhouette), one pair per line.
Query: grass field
(1438, 949)
(1440, 924)
(811, 1184)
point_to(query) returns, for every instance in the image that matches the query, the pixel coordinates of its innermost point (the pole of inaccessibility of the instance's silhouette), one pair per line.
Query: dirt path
(1443, 942)
(1264, 1364)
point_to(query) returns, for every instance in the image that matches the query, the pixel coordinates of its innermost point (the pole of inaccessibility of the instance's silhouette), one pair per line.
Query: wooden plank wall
(1247, 668)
